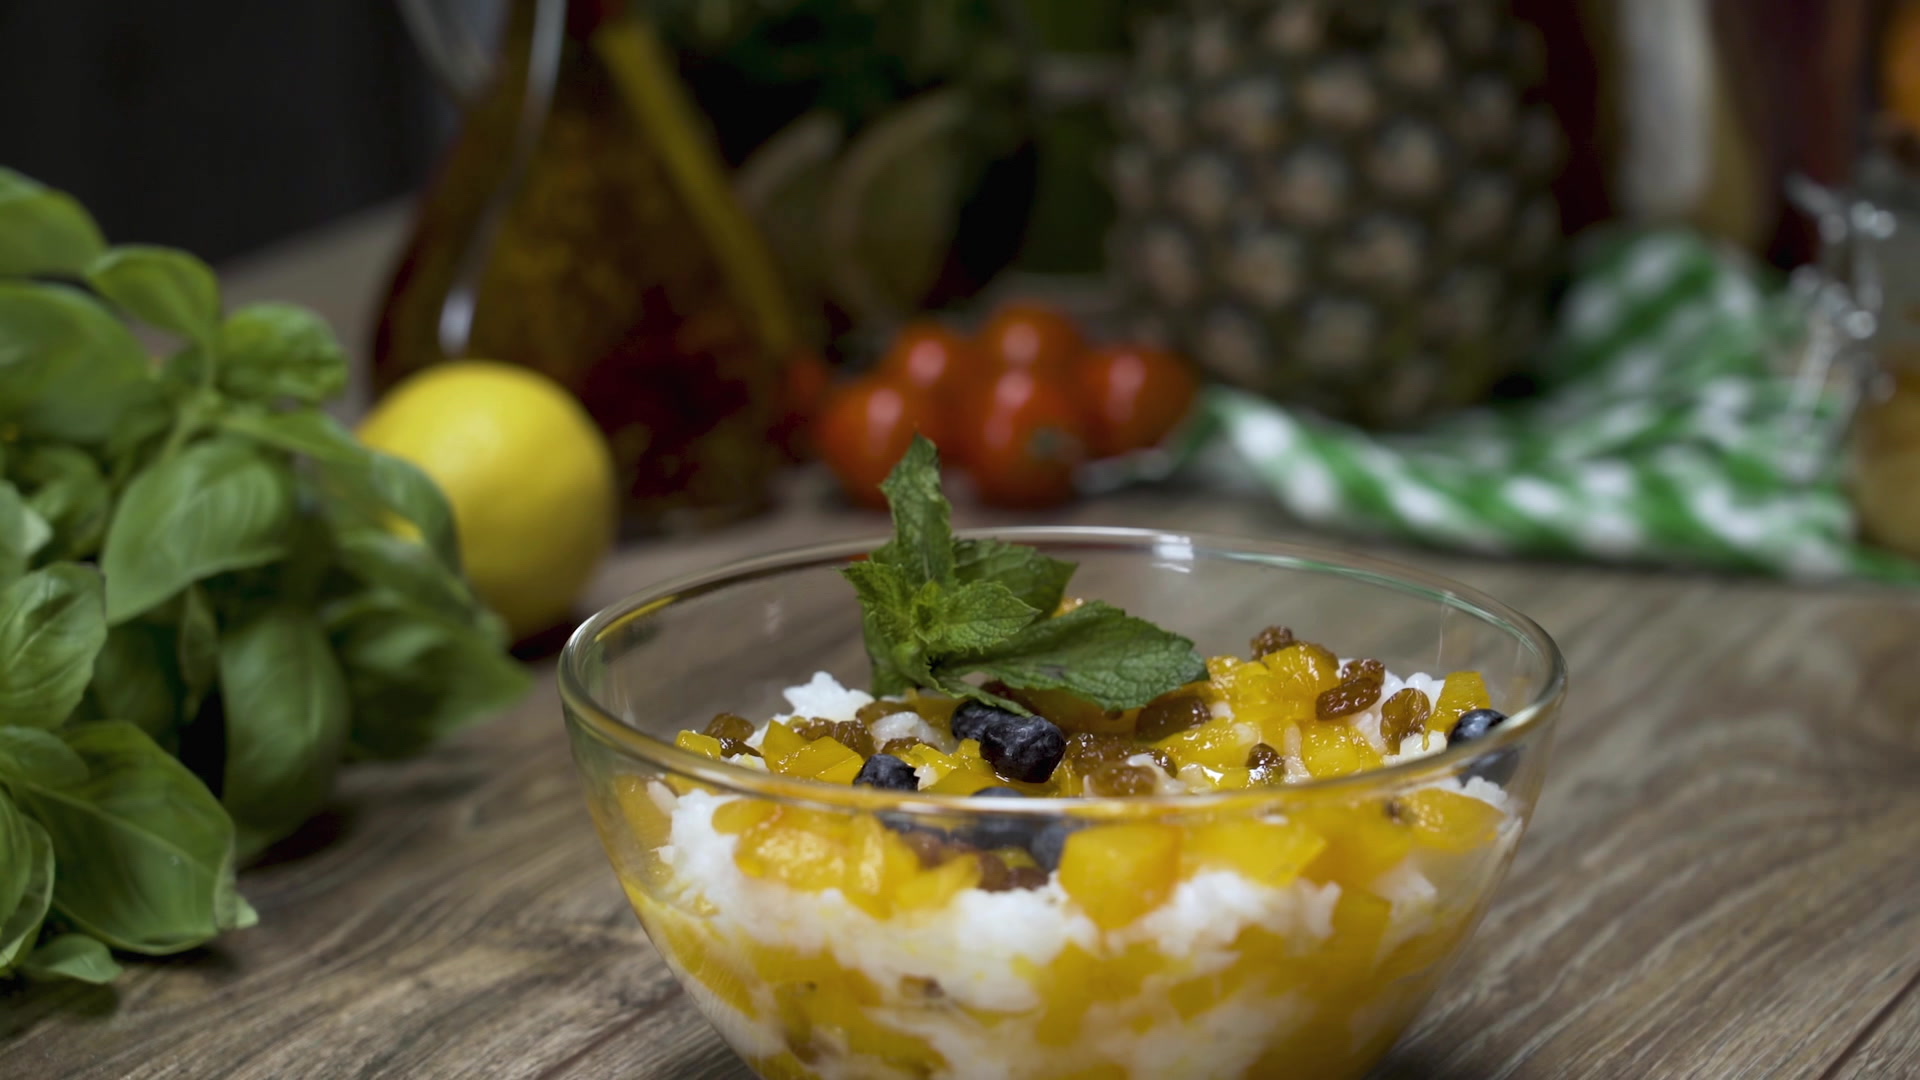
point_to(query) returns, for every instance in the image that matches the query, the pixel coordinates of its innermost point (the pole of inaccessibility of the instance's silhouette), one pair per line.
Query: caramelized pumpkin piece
(1271, 853)
(1449, 820)
(1463, 692)
(1117, 873)
(705, 745)
(799, 848)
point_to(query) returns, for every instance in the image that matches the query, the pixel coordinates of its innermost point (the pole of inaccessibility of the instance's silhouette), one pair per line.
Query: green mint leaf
(51, 629)
(274, 351)
(144, 849)
(1095, 651)
(971, 618)
(69, 370)
(133, 680)
(218, 505)
(26, 881)
(32, 754)
(43, 231)
(66, 488)
(886, 621)
(72, 956)
(922, 543)
(356, 481)
(414, 677)
(23, 532)
(163, 287)
(287, 717)
(1037, 579)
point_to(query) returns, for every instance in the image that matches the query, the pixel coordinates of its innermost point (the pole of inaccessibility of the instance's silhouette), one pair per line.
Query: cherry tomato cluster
(1019, 406)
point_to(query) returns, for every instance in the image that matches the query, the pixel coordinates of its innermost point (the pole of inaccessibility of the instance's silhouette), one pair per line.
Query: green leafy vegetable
(287, 717)
(217, 506)
(169, 289)
(211, 594)
(72, 956)
(145, 851)
(935, 609)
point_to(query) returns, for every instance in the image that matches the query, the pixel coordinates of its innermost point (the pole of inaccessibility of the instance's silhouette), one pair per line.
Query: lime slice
(893, 204)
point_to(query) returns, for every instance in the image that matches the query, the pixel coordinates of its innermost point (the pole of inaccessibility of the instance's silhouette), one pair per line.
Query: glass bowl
(830, 930)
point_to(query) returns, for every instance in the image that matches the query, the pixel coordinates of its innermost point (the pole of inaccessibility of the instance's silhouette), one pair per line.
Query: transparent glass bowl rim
(589, 716)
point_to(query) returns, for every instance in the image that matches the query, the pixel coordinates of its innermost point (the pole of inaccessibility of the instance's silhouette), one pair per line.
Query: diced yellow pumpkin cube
(1303, 670)
(782, 1066)
(651, 825)
(935, 888)
(1463, 692)
(924, 756)
(1117, 873)
(962, 782)
(686, 942)
(1236, 778)
(780, 741)
(1449, 820)
(1363, 842)
(1271, 853)
(815, 758)
(1334, 748)
(788, 852)
(1216, 744)
(1074, 713)
(738, 815)
(705, 745)
(1352, 951)
(878, 863)
(844, 772)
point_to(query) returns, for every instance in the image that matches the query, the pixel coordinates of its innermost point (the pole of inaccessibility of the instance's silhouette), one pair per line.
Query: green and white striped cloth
(1664, 434)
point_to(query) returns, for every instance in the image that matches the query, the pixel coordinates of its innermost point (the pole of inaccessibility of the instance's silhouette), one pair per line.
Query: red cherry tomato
(1134, 395)
(865, 429)
(939, 361)
(803, 389)
(1024, 439)
(1023, 334)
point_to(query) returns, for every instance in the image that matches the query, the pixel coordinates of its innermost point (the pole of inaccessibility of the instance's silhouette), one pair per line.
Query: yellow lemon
(527, 472)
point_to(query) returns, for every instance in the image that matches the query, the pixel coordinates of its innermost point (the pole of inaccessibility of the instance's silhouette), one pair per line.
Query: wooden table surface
(1723, 879)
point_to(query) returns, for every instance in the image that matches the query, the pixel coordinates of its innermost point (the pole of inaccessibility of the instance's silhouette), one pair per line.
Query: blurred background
(1446, 271)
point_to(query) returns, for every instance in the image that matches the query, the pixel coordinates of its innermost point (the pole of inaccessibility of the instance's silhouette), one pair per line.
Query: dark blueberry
(889, 772)
(1497, 767)
(1000, 832)
(1023, 747)
(972, 718)
(1475, 724)
(1051, 841)
(998, 792)
(908, 825)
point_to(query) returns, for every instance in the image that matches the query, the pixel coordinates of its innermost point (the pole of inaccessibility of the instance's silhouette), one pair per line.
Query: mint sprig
(936, 610)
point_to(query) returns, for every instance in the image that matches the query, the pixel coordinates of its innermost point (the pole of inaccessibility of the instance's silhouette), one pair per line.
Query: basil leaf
(72, 956)
(32, 754)
(274, 351)
(359, 483)
(69, 370)
(133, 680)
(1037, 579)
(379, 558)
(66, 488)
(26, 881)
(50, 631)
(415, 677)
(43, 231)
(922, 544)
(973, 618)
(145, 850)
(166, 288)
(196, 648)
(286, 707)
(1095, 651)
(218, 505)
(22, 533)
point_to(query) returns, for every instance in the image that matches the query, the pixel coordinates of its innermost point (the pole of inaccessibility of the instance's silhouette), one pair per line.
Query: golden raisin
(854, 735)
(728, 726)
(1026, 877)
(994, 874)
(734, 748)
(897, 747)
(1172, 715)
(1372, 669)
(1089, 749)
(1118, 778)
(1264, 758)
(1164, 760)
(878, 710)
(1404, 716)
(811, 728)
(927, 845)
(1350, 697)
(1271, 640)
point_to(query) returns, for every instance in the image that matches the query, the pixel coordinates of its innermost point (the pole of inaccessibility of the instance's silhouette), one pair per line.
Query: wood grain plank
(1890, 1046)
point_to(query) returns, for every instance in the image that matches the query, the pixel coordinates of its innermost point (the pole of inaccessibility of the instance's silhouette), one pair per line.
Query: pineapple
(1339, 204)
